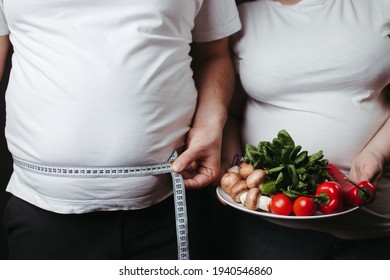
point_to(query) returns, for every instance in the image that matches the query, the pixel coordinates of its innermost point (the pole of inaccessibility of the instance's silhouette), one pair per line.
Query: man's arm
(4, 47)
(214, 79)
(232, 143)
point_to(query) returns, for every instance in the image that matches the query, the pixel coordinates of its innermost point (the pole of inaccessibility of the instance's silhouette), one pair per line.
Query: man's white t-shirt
(102, 83)
(318, 69)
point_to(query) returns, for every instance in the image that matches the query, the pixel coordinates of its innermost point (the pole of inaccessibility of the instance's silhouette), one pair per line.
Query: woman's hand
(367, 167)
(369, 164)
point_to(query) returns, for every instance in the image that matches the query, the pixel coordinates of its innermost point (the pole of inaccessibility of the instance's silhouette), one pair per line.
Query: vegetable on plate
(304, 206)
(355, 194)
(279, 177)
(329, 197)
(281, 204)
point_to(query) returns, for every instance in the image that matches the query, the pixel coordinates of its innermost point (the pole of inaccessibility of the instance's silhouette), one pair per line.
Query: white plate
(226, 199)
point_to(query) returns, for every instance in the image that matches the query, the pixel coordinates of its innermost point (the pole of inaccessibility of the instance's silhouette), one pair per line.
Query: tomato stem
(322, 198)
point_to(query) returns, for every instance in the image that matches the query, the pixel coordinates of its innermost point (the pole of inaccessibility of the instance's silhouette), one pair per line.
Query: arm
(370, 162)
(214, 79)
(232, 143)
(4, 47)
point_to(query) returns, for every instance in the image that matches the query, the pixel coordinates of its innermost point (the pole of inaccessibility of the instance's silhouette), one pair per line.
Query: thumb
(183, 161)
(369, 173)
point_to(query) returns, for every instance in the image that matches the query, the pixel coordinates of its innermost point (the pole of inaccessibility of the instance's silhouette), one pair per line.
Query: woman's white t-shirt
(318, 69)
(102, 83)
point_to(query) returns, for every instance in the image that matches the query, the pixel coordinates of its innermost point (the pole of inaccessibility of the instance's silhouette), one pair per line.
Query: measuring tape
(129, 171)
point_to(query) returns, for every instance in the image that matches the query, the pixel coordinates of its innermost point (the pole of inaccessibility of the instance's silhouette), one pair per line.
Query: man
(110, 85)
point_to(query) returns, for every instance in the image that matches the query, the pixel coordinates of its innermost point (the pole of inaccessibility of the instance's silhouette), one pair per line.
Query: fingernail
(176, 166)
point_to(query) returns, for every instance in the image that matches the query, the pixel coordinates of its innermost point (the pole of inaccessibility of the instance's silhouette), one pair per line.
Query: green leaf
(285, 138)
(302, 185)
(315, 157)
(268, 187)
(251, 153)
(300, 158)
(302, 176)
(282, 181)
(275, 169)
(294, 153)
(285, 157)
(278, 145)
(293, 174)
(315, 169)
(290, 194)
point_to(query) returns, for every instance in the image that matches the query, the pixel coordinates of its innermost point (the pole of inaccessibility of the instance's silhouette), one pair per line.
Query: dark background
(5, 162)
(5, 157)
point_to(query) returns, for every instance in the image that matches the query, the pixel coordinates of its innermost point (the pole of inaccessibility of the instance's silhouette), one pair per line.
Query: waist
(97, 171)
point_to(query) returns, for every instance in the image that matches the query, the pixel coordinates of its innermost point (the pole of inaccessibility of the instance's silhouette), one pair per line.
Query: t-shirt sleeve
(3, 22)
(216, 19)
(386, 10)
(243, 11)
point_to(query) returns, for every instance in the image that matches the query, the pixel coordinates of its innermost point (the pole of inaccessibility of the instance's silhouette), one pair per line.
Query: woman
(318, 69)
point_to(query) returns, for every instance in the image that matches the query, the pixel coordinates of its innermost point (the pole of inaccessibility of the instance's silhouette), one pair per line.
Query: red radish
(354, 194)
(338, 176)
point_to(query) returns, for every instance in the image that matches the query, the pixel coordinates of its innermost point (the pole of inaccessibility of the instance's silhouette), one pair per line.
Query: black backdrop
(6, 160)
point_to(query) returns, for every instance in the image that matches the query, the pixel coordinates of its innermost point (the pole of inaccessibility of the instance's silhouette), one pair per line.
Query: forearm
(231, 142)
(379, 144)
(4, 47)
(370, 162)
(214, 79)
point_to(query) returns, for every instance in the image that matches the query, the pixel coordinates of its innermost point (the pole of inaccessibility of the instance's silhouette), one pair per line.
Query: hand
(200, 162)
(367, 167)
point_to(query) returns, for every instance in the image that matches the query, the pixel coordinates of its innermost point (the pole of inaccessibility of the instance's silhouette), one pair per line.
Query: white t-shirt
(318, 69)
(102, 83)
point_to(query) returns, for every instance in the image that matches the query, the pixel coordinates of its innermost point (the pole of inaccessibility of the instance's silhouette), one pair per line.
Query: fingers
(200, 178)
(198, 171)
(366, 168)
(183, 161)
(358, 174)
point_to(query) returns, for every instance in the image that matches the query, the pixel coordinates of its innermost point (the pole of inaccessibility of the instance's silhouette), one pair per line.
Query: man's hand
(200, 162)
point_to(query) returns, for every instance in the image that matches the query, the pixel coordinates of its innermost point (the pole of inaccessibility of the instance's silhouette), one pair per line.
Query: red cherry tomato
(281, 204)
(329, 197)
(304, 206)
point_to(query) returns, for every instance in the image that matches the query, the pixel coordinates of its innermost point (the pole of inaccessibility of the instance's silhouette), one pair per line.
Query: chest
(290, 51)
(150, 16)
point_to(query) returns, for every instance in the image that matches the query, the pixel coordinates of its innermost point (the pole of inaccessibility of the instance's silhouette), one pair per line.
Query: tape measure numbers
(129, 171)
(179, 196)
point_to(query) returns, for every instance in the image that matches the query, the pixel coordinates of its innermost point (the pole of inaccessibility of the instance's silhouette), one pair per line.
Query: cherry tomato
(329, 197)
(304, 206)
(281, 204)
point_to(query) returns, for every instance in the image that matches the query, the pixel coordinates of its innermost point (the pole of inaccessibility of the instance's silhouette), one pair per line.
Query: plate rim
(224, 198)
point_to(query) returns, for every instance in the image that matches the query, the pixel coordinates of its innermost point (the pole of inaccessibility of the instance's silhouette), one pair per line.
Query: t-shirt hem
(216, 34)
(70, 206)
